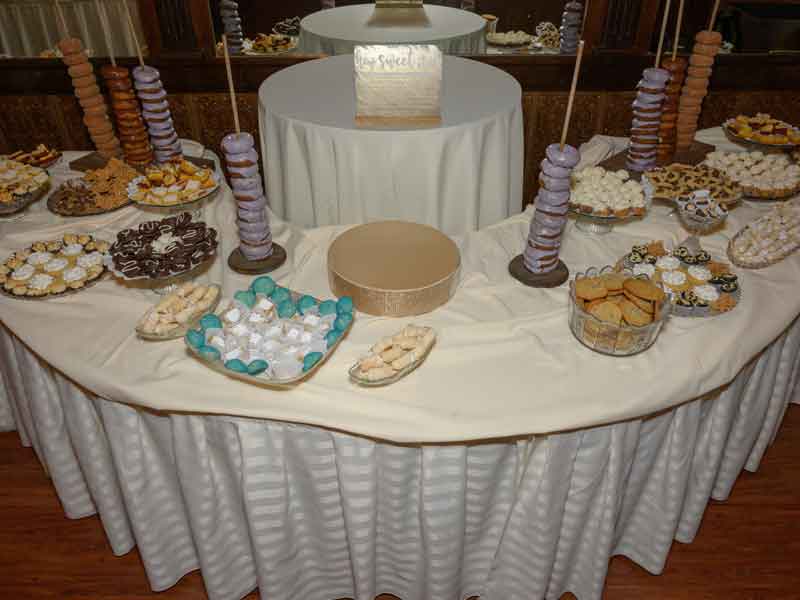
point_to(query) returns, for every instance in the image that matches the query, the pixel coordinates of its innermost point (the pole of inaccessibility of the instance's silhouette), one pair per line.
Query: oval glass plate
(260, 380)
(180, 330)
(752, 143)
(25, 201)
(353, 372)
(56, 210)
(133, 188)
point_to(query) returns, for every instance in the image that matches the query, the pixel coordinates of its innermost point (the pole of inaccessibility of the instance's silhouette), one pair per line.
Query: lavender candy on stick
(156, 113)
(232, 25)
(646, 119)
(241, 161)
(551, 206)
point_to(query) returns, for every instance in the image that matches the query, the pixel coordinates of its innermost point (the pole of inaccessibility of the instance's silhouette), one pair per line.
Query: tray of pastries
(269, 43)
(41, 156)
(697, 285)
(173, 184)
(510, 39)
(51, 268)
(20, 185)
(772, 176)
(270, 335)
(599, 193)
(394, 357)
(615, 312)
(99, 191)
(677, 180)
(762, 130)
(767, 240)
(162, 249)
(178, 312)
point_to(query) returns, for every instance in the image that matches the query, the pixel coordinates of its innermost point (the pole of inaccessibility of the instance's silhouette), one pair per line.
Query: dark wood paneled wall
(56, 119)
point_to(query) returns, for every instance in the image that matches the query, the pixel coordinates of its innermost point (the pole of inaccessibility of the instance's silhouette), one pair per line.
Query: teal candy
(310, 360)
(305, 303)
(328, 307)
(280, 295)
(332, 336)
(236, 365)
(344, 305)
(257, 367)
(286, 309)
(210, 321)
(195, 338)
(245, 297)
(343, 321)
(263, 285)
(209, 352)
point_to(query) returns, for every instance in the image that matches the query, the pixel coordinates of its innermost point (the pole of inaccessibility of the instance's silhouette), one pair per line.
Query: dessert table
(338, 30)
(461, 176)
(511, 465)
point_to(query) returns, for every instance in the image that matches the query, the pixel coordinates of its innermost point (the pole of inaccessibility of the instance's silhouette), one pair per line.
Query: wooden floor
(748, 548)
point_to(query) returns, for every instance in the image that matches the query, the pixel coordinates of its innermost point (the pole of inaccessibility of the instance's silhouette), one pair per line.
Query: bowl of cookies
(616, 313)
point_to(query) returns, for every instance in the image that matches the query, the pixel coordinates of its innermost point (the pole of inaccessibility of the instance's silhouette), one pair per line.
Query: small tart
(668, 263)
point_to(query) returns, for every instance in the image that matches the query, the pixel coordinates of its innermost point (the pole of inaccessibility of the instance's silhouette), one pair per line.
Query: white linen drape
(27, 27)
(304, 513)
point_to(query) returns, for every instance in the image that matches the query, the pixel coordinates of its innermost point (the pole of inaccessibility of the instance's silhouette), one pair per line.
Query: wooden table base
(274, 261)
(552, 279)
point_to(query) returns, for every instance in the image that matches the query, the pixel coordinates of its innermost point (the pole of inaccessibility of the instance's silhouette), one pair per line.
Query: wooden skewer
(133, 34)
(103, 16)
(713, 16)
(60, 14)
(572, 95)
(230, 83)
(677, 31)
(663, 31)
(585, 14)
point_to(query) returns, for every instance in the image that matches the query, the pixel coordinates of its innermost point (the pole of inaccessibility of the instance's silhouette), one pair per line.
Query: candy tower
(539, 265)
(132, 131)
(232, 24)
(156, 112)
(571, 26)
(95, 111)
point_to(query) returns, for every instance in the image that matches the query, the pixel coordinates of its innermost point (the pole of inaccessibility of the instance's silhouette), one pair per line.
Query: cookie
(633, 315)
(645, 305)
(609, 312)
(590, 288)
(644, 290)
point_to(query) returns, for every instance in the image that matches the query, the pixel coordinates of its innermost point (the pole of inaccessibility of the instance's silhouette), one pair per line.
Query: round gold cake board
(240, 264)
(552, 279)
(394, 268)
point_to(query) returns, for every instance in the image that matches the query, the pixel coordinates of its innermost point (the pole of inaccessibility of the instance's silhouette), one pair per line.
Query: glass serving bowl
(607, 338)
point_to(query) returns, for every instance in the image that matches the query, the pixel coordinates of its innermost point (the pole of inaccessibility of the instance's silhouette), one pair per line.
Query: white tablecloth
(321, 169)
(339, 30)
(315, 513)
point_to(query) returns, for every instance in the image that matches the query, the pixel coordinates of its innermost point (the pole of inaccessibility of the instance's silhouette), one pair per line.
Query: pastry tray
(353, 372)
(51, 206)
(132, 189)
(144, 278)
(218, 366)
(683, 311)
(25, 202)
(755, 265)
(180, 330)
(67, 292)
(752, 143)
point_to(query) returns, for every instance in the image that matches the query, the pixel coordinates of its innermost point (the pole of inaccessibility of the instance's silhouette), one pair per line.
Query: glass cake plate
(264, 379)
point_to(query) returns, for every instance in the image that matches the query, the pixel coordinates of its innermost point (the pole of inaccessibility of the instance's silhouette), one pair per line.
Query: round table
(511, 465)
(339, 30)
(460, 176)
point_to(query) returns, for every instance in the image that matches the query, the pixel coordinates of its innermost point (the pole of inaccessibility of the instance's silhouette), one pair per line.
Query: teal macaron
(280, 294)
(310, 359)
(344, 305)
(257, 367)
(236, 365)
(305, 303)
(210, 321)
(328, 307)
(343, 321)
(263, 285)
(209, 352)
(286, 309)
(195, 338)
(246, 297)
(332, 337)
